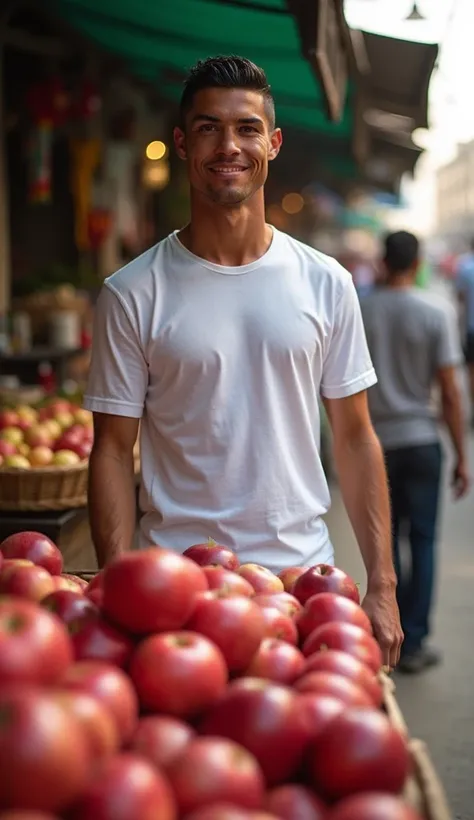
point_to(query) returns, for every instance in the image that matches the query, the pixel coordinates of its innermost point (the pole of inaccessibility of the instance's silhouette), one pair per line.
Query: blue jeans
(414, 475)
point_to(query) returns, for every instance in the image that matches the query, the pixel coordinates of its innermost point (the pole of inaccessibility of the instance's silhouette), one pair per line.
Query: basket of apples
(191, 687)
(44, 454)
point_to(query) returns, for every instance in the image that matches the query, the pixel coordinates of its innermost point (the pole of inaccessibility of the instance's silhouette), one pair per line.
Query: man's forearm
(454, 419)
(112, 507)
(363, 481)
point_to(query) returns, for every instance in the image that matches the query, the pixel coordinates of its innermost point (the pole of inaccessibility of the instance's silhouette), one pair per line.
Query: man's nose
(229, 143)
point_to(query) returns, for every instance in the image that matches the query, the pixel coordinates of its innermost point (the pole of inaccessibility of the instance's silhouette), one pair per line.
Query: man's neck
(226, 235)
(402, 281)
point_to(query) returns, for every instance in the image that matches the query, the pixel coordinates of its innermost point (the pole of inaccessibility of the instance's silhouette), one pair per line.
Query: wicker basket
(423, 790)
(43, 489)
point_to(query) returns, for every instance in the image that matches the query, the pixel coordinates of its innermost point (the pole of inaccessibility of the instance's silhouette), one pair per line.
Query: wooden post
(5, 272)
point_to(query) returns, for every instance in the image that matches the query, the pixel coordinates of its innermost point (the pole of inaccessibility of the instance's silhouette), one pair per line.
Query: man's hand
(460, 480)
(382, 609)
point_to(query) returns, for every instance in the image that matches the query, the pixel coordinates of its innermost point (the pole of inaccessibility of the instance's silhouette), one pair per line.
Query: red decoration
(48, 102)
(99, 225)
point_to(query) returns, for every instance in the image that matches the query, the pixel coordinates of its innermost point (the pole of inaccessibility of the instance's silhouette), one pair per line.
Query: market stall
(194, 687)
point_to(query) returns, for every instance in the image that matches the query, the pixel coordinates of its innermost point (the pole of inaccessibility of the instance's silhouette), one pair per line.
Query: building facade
(455, 195)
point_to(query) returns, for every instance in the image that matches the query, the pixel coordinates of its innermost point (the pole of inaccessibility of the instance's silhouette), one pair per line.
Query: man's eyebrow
(242, 120)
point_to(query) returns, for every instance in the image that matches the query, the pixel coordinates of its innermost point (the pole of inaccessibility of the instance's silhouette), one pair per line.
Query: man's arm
(362, 476)
(453, 417)
(112, 507)
(116, 392)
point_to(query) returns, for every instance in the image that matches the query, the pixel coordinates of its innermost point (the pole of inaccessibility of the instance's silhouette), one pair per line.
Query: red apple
(58, 406)
(161, 739)
(33, 583)
(76, 579)
(278, 625)
(317, 711)
(230, 582)
(7, 448)
(178, 673)
(359, 751)
(151, 590)
(341, 663)
(26, 815)
(212, 554)
(337, 686)
(261, 578)
(328, 607)
(220, 811)
(295, 802)
(277, 661)
(212, 770)
(98, 724)
(126, 787)
(69, 441)
(10, 564)
(97, 640)
(348, 638)
(35, 547)
(34, 644)
(111, 687)
(95, 589)
(8, 418)
(374, 806)
(266, 719)
(61, 582)
(324, 578)
(44, 761)
(283, 601)
(84, 449)
(235, 624)
(289, 577)
(71, 607)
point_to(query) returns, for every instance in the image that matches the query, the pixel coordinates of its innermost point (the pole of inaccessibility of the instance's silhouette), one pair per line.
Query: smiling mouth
(228, 170)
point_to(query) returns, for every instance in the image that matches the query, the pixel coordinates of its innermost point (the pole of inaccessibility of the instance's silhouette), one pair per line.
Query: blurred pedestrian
(221, 339)
(414, 343)
(464, 281)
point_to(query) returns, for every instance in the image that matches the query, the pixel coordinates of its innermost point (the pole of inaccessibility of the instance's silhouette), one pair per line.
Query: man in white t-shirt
(220, 339)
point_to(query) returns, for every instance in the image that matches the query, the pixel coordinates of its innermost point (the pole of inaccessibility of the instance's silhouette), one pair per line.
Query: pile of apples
(58, 434)
(189, 686)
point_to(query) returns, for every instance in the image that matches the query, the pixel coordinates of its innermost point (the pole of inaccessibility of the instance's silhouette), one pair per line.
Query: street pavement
(439, 704)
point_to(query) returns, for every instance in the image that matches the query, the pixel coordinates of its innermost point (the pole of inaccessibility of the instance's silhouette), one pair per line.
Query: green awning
(161, 39)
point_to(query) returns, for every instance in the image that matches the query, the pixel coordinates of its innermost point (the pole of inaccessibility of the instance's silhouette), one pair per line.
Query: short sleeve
(118, 375)
(448, 343)
(347, 367)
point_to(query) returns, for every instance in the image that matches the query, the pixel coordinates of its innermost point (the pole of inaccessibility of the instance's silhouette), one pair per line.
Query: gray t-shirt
(411, 334)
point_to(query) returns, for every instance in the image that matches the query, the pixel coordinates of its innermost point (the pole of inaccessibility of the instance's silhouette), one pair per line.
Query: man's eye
(207, 127)
(248, 129)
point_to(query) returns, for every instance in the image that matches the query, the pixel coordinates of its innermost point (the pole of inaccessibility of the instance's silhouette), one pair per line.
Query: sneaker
(412, 663)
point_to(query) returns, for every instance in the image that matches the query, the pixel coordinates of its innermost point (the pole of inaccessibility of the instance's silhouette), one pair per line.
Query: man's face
(227, 144)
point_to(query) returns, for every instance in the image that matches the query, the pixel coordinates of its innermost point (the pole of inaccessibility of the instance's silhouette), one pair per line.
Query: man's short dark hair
(226, 72)
(401, 251)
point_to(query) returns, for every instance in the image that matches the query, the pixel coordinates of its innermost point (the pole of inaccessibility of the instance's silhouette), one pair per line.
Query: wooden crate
(424, 790)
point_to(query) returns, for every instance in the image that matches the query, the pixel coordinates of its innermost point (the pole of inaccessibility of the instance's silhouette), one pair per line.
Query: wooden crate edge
(424, 790)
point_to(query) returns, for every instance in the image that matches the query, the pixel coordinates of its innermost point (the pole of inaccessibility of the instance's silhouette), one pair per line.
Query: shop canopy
(161, 39)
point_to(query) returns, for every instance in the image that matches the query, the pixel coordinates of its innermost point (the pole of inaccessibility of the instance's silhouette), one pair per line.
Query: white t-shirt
(225, 365)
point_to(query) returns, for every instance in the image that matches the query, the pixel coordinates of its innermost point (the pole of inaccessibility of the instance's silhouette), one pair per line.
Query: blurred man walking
(465, 289)
(414, 344)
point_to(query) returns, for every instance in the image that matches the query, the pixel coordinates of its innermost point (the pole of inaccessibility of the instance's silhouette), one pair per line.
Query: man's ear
(180, 143)
(276, 141)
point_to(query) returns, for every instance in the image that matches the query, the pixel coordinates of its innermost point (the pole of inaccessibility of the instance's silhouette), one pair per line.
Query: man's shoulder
(136, 275)
(433, 304)
(317, 263)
